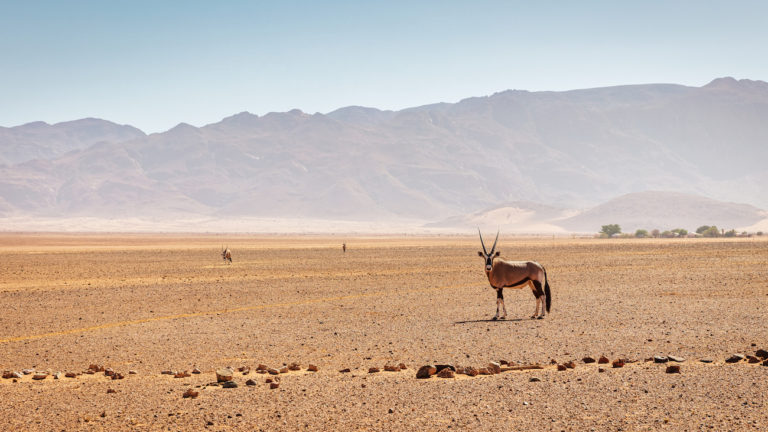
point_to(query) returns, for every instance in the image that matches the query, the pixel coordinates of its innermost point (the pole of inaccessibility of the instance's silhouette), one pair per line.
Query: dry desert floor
(143, 304)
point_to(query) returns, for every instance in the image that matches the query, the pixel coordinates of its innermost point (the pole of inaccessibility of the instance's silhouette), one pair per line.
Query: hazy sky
(153, 64)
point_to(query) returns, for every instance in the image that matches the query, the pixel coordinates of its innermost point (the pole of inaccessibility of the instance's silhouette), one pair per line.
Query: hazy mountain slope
(567, 149)
(40, 140)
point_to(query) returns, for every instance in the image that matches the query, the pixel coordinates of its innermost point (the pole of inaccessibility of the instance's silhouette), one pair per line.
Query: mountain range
(571, 150)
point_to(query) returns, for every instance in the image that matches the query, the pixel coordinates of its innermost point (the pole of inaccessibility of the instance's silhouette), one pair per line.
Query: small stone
(660, 359)
(166, 372)
(588, 360)
(70, 375)
(403, 366)
(117, 376)
(707, 360)
(673, 369)
(184, 374)
(243, 369)
(274, 385)
(570, 365)
(96, 367)
(426, 371)
(765, 362)
(471, 371)
(345, 370)
(229, 384)
(312, 368)
(600, 369)
(494, 368)
(460, 370)
(373, 370)
(735, 358)
(618, 363)
(294, 367)
(40, 376)
(111, 391)
(440, 367)
(753, 359)
(261, 367)
(109, 372)
(763, 354)
(196, 371)
(90, 372)
(273, 371)
(8, 375)
(391, 411)
(58, 375)
(391, 368)
(603, 360)
(284, 369)
(534, 379)
(191, 394)
(133, 372)
(484, 371)
(561, 367)
(445, 373)
(27, 371)
(676, 359)
(224, 374)
(250, 382)
(503, 362)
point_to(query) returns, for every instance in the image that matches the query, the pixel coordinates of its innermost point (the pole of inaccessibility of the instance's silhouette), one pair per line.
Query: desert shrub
(668, 234)
(680, 232)
(712, 231)
(731, 233)
(610, 229)
(641, 233)
(702, 229)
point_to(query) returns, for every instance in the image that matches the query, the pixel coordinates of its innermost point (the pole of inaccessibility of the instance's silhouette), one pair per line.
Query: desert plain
(143, 304)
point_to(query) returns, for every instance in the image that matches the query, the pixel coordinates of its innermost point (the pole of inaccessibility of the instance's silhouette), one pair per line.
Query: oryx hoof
(540, 317)
(494, 318)
(533, 316)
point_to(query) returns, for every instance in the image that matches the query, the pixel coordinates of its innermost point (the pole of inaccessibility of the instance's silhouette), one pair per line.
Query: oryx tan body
(516, 274)
(226, 254)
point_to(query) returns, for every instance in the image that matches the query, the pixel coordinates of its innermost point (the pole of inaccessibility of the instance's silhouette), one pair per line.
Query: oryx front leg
(500, 302)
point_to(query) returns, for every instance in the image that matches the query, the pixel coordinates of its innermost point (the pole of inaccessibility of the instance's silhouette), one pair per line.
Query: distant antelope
(226, 254)
(344, 248)
(515, 274)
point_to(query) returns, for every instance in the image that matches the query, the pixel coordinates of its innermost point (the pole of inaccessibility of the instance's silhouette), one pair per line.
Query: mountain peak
(734, 84)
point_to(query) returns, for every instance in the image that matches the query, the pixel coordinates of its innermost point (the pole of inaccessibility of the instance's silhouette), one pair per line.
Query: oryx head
(485, 254)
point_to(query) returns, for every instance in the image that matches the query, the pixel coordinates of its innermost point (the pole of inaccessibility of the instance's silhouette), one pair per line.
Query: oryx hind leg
(538, 291)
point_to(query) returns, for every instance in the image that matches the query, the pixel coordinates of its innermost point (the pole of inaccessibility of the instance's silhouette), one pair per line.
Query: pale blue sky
(153, 64)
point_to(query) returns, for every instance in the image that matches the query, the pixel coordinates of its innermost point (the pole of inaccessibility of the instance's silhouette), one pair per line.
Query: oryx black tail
(546, 289)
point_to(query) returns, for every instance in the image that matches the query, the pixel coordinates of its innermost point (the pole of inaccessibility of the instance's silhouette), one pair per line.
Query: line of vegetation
(614, 230)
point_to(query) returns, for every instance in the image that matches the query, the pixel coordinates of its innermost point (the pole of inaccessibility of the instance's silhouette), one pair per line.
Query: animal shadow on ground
(501, 321)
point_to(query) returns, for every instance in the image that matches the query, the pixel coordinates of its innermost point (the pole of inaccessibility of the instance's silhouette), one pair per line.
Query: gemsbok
(515, 274)
(226, 254)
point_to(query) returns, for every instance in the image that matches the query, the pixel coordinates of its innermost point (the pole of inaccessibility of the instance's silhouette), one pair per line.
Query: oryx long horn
(481, 241)
(494, 243)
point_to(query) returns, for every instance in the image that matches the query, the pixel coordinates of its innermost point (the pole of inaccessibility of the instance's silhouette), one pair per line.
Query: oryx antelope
(226, 254)
(515, 274)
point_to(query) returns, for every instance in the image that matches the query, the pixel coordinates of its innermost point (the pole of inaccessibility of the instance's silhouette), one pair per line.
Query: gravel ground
(147, 304)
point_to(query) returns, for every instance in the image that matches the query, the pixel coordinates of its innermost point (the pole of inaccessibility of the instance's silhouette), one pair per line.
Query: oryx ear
(480, 254)
(497, 253)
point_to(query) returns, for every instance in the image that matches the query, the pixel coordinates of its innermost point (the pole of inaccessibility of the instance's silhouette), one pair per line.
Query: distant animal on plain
(344, 247)
(515, 274)
(226, 254)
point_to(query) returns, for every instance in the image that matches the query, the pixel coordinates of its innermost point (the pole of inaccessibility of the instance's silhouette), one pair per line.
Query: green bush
(610, 229)
(641, 233)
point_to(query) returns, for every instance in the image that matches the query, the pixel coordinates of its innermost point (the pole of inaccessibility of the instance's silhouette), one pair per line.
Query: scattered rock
(561, 367)
(229, 384)
(90, 372)
(111, 391)
(58, 375)
(294, 366)
(753, 359)
(445, 373)
(534, 379)
(345, 370)
(284, 369)
(588, 360)
(117, 376)
(673, 369)
(763, 354)
(618, 363)
(166, 372)
(403, 366)
(27, 371)
(603, 360)
(440, 367)
(9, 375)
(109, 372)
(707, 360)
(184, 374)
(191, 394)
(40, 376)
(391, 368)
(70, 375)
(196, 371)
(312, 368)
(373, 370)
(459, 370)
(250, 382)
(484, 371)
(426, 371)
(274, 385)
(133, 372)
(224, 374)
(471, 371)
(676, 359)
(96, 368)
(735, 358)
(494, 368)
(261, 367)
(765, 362)
(600, 369)
(570, 365)
(660, 359)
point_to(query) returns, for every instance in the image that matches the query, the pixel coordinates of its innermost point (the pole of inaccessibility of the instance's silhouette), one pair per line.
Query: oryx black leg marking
(539, 293)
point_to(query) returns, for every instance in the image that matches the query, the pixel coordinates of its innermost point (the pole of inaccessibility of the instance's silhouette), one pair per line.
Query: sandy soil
(152, 303)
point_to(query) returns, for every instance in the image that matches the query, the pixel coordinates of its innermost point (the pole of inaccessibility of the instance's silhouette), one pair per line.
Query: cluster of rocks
(388, 368)
(450, 371)
(41, 375)
(225, 377)
(760, 356)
